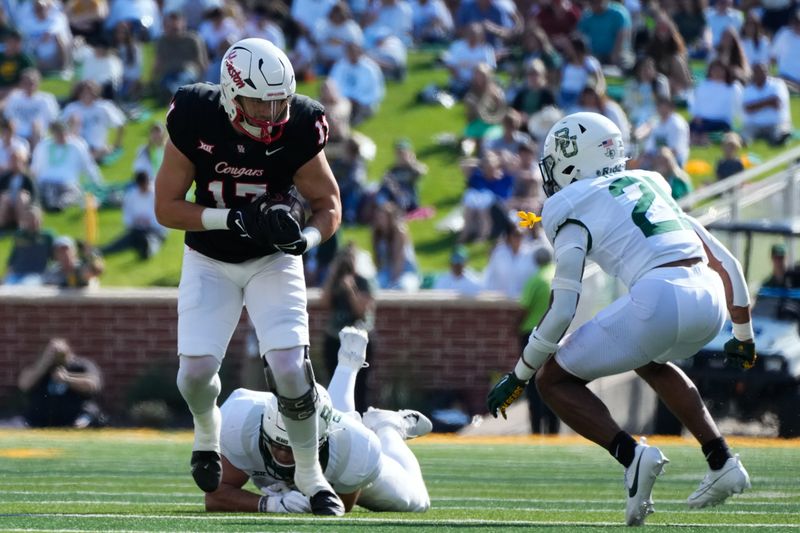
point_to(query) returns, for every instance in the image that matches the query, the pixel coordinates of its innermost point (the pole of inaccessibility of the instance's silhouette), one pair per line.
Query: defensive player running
(249, 137)
(628, 224)
(367, 463)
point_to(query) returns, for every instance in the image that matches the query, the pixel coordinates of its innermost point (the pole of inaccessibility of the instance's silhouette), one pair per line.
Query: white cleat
(353, 347)
(417, 424)
(648, 463)
(715, 488)
(408, 423)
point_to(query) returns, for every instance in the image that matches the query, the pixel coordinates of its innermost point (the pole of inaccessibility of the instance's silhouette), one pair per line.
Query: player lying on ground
(366, 462)
(679, 279)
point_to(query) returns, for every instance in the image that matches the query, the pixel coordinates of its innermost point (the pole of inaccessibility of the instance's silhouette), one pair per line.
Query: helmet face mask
(580, 146)
(255, 72)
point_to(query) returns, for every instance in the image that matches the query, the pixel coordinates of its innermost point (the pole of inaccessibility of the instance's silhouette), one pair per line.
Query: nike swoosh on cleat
(635, 486)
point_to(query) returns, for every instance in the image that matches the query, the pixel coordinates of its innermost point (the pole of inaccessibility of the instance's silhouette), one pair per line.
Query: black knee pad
(296, 408)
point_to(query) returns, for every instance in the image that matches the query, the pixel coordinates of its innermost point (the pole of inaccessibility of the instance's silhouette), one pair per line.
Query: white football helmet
(274, 441)
(580, 146)
(256, 68)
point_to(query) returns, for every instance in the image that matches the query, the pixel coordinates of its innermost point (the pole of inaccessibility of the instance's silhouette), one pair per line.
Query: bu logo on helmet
(565, 143)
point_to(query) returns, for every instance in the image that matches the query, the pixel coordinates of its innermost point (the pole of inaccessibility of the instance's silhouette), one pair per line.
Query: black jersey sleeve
(311, 128)
(179, 125)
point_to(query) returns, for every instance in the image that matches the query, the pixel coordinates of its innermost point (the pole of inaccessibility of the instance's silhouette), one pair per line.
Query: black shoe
(326, 503)
(207, 470)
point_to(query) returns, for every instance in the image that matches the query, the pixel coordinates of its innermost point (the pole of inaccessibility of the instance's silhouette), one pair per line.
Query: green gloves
(740, 353)
(504, 393)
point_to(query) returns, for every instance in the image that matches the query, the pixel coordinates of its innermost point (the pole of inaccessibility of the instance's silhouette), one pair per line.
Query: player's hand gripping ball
(285, 219)
(253, 220)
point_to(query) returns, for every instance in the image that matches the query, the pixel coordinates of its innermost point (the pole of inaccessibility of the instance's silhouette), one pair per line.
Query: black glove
(740, 353)
(504, 393)
(285, 232)
(249, 222)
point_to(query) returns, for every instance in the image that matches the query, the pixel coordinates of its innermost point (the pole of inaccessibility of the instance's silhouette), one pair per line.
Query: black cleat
(207, 470)
(326, 503)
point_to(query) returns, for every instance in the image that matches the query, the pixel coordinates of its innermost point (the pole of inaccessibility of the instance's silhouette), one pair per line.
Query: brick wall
(425, 342)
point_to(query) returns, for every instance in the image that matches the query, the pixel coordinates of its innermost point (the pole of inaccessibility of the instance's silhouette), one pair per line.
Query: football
(287, 201)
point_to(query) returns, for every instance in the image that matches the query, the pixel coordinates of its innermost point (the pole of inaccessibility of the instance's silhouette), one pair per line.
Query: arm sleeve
(179, 123)
(741, 295)
(312, 133)
(571, 244)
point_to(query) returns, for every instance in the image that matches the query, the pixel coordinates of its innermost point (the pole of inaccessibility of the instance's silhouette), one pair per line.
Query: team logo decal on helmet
(566, 144)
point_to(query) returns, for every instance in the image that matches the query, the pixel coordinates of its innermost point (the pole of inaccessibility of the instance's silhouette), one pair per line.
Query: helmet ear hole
(568, 170)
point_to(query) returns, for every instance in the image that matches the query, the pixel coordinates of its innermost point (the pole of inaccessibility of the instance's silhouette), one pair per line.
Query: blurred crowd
(517, 66)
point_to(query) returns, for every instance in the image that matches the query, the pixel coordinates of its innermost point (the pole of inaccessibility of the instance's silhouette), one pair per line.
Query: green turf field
(139, 481)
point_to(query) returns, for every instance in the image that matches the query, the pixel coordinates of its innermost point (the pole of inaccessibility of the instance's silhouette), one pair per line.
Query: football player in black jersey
(236, 141)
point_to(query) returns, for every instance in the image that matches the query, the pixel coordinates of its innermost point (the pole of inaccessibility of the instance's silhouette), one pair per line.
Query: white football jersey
(634, 224)
(354, 452)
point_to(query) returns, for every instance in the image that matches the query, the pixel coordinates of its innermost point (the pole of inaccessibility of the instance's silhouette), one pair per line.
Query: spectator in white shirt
(47, 35)
(642, 92)
(765, 108)
(723, 15)
(57, 165)
(11, 143)
(786, 52)
(388, 51)
(31, 110)
(755, 42)
(433, 22)
(144, 16)
(308, 13)
(464, 55)
(259, 24)
(218, 29)
(143, 233)
(579, 70)
(96, 117)
(361, 81)
(149, 156)
(670, 130)
(100, 64)
(393, 14)
(460, 278)
(510, 263)
(333, 33)
(129, 51)
(715, 103)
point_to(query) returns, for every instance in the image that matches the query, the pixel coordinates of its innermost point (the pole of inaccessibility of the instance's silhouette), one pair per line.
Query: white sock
(395, 447)
(206, 430)
(342, 388)
(308, 475)
(199, 384)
